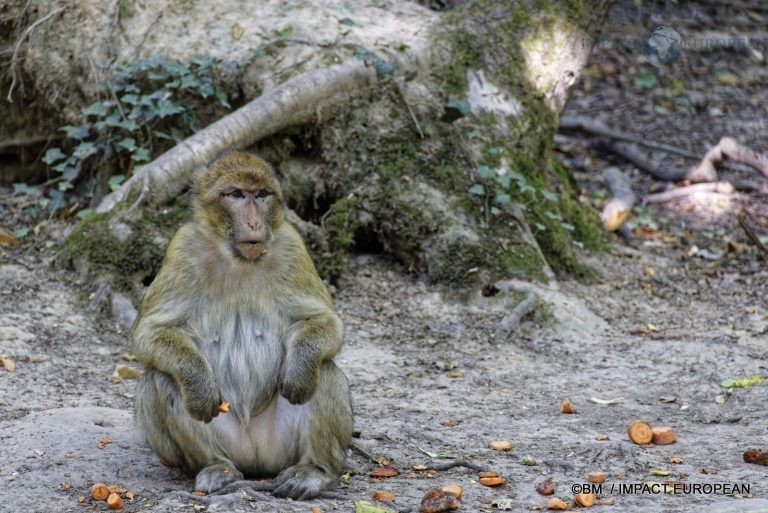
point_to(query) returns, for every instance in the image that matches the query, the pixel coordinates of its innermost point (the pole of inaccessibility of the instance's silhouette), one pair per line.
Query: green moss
(124, 263)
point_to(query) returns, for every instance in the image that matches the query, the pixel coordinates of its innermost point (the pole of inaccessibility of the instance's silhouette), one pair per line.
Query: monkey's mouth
(251, 250)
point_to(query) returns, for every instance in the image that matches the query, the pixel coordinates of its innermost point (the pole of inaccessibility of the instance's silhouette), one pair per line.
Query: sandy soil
(426, 372)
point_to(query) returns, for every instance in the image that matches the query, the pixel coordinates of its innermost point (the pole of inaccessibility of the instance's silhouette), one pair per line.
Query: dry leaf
(6, 239)
(103, 441)
(124, 372)
(382, 472)
(7, 363)
(237, 31)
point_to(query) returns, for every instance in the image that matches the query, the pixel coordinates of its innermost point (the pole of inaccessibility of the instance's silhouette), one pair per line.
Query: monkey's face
(249, 208)
(239, 198)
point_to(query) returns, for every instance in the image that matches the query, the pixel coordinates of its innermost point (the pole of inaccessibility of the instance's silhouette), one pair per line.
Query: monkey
(238, 313)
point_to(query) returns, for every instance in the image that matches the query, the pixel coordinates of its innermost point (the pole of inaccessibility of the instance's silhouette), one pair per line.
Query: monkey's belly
(268, 443)
(246, 356)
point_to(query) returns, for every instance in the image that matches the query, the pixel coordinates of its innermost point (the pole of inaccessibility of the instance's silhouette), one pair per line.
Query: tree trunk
(426, 134)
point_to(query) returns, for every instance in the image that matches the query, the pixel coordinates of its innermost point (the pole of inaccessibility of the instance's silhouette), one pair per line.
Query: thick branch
(296, 102)
(617, 210)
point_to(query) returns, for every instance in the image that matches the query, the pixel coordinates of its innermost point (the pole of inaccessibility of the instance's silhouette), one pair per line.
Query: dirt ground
(656, 334)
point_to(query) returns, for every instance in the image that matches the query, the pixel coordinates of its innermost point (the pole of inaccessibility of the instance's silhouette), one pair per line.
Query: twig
(512, 319)
(597, 127)
(616, 211)
(24, 35)
(441, 467)
(410, 110)
(683, 192)
(362, 452)
(632, 153)
(751, 235)
(29, 141)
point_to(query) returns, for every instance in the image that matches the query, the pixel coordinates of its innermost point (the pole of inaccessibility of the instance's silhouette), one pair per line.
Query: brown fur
(259, 333)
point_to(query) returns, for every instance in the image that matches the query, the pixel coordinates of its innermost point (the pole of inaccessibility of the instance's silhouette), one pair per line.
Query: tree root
(512, 319)
(296, 102)
(15, 58)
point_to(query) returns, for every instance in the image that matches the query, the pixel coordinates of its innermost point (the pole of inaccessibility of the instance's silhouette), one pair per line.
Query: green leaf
(515, 175)
(22, 188)
(20, 233)
(553, 216)
(65, 185)
(96, 109)
(128, 144)
(167, 108)
(189, 81)
(502, 198)
(85, 150)
(115, 181)
(130, 99)
(456, 109)
(477, 189)
(347, 21)
(568, 226)
(140, 155)
(85, 213)
(540, 227)
(495, 211)
(221, 95)
(53, 155)
(742, 382)
(645, 79)
(285, 33)
(551, 196)
(77, 132)
(485, 172)
(69, 172)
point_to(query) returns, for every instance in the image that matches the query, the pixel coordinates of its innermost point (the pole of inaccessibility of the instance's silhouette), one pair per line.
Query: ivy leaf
(645, 79)
(131, 99)
(347, 21)
(540, 227)
(65, 185)
(551, 215)
(140, 155)
(128, 144)
(76, 132)
(115, 181)
(455, 109)
(20, 233)
(85, 150)
(96, 109)
(188, 81)
(551, 196)
(477, 189)
(502, 198)
(167, 108)
(221, 95)
(84, 214)
(69, 173)
(53, 155)
(568, 226)
(485, 172)
(495, 211)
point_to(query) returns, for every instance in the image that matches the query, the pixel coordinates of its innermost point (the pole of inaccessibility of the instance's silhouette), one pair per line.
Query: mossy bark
(399, 171)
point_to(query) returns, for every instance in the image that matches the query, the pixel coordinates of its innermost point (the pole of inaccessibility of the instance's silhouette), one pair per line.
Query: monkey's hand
(300, 377)
(201, 394)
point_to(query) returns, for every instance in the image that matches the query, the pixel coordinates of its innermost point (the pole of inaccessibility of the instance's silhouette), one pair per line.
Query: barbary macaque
(238, 313)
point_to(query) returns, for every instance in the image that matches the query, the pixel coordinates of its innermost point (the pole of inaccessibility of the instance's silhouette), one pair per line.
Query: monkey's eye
(263, 193)
(237, 193)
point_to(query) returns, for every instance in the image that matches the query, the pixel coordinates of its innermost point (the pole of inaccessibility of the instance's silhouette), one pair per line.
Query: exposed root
(512, 319)
(15, 59)
(293, 103)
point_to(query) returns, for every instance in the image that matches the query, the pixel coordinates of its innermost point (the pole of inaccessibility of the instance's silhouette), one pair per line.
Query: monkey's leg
(177, 438)
(324, 437)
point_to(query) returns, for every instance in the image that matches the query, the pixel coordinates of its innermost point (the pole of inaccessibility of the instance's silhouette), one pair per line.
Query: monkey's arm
(158, 339)
(316, 331)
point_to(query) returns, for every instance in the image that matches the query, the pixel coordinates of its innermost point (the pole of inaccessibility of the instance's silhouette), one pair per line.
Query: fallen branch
(616, 211)
(690, 190)
(512, 319)
(296, 102)
(632, 153)
(729, 148)
(597, 127)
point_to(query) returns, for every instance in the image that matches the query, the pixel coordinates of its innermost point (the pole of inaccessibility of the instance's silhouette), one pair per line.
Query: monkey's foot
(216, 476)
(302, 482)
